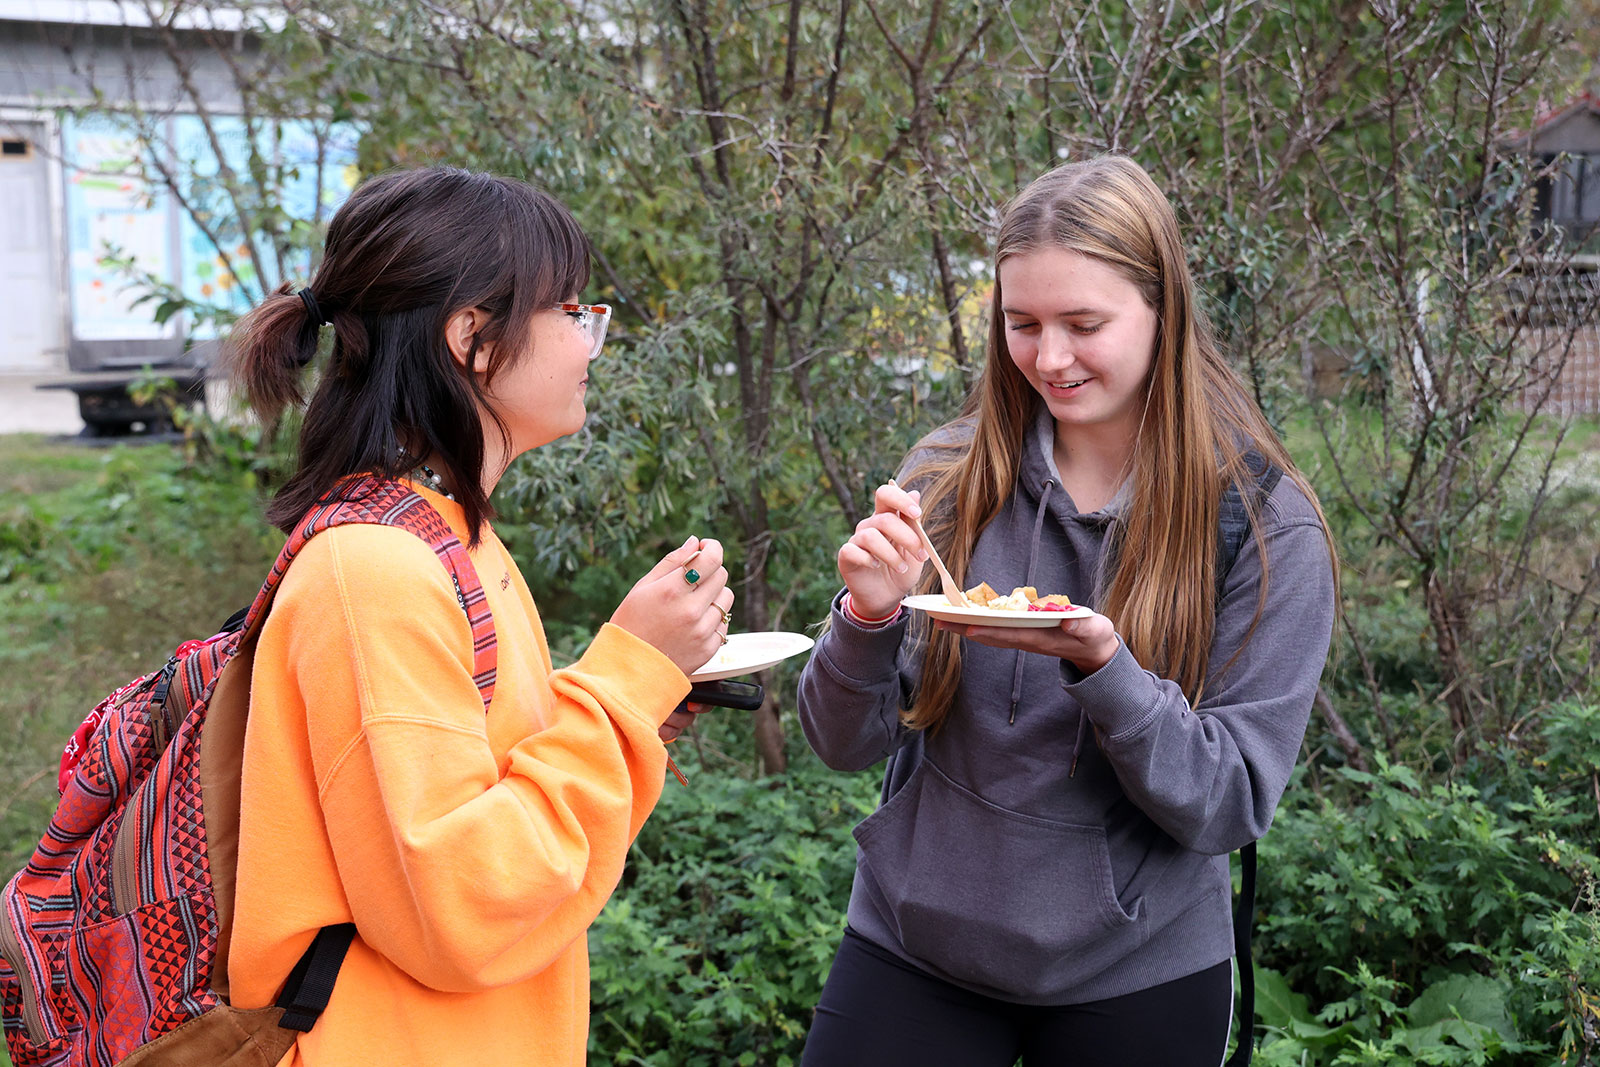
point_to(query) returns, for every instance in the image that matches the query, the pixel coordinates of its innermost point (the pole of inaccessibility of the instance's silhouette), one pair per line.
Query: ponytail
(271, 346)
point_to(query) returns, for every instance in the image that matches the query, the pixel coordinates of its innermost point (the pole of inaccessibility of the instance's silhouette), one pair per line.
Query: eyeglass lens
(594, 323)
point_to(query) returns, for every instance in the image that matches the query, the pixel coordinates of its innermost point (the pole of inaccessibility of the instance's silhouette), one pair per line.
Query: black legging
(879, 1011)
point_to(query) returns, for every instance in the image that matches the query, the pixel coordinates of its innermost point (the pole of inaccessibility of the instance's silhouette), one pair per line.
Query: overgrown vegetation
(1408, 916)
(792, 205)
(108, 559)
(716, 950)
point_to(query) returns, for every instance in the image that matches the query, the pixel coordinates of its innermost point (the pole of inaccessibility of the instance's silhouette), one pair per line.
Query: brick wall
(1566, 337)
(1576, 389)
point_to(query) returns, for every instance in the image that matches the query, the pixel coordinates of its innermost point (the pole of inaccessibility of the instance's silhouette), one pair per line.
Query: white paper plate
(936, 605)
(748, 653)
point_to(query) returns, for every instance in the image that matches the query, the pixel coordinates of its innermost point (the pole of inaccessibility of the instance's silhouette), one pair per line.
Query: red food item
(1041, 606)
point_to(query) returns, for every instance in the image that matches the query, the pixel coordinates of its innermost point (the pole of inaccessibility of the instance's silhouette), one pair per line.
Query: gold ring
(724, 638)
(727, 617)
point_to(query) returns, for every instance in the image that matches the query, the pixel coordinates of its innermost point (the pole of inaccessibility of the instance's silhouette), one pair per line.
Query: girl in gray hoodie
(1046, 876)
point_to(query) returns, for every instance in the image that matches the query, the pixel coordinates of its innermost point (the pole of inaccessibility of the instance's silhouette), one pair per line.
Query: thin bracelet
(849, 608)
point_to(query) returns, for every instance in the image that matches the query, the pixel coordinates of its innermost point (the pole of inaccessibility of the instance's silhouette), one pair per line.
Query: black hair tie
(314, 322)
(312, 308)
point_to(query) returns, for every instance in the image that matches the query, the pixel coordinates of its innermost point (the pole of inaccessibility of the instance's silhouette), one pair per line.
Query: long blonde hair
(1199, 423)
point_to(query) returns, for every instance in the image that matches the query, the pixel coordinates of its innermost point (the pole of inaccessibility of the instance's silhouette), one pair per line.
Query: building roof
(120, 13)
(1586, 103)
(1574, 126)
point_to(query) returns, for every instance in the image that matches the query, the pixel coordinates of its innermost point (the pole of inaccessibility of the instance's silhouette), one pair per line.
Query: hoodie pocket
(1013, 903)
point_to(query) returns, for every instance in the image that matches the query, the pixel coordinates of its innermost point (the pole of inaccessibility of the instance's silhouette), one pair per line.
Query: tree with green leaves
(792, 205)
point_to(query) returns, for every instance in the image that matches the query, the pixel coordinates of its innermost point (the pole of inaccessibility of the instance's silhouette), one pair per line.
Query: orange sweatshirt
(471, 851)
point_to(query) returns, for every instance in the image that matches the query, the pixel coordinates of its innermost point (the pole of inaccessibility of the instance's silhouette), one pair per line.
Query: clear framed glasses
(592, 319)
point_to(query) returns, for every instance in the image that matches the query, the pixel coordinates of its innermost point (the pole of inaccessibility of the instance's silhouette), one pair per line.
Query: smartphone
(742, 696)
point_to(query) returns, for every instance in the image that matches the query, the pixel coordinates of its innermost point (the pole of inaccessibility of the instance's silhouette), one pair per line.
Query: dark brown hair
(404, 253)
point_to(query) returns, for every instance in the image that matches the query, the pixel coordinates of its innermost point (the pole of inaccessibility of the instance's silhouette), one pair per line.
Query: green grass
(1365, 476)
(1350, 424)
(108, 559)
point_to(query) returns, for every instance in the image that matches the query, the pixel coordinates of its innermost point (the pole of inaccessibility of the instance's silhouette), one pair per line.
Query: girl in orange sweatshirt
(470, 847)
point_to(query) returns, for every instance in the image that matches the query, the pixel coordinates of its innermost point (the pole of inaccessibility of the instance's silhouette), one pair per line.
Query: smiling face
(540, 396)
(1082, 335)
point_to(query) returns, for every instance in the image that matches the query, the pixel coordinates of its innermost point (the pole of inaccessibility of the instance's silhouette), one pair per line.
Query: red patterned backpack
(115, 936)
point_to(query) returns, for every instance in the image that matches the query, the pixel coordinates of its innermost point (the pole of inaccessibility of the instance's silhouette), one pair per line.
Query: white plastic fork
(952, 591)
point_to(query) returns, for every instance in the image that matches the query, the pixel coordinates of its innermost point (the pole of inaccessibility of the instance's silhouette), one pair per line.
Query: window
(1575, 190)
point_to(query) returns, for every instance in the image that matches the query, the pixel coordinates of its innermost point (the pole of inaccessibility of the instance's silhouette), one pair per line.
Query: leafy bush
(1480, 899)
(128, 500)
(1462, 1019)
(108, 559)
(231, 444)
(1409, 916)
(715, 948)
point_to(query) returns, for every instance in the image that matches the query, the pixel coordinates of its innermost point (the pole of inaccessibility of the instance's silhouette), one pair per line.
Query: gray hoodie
(987, 863)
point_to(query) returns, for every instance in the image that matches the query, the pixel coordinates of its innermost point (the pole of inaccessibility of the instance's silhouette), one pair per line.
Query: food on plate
(1022, 598)
(981, 594)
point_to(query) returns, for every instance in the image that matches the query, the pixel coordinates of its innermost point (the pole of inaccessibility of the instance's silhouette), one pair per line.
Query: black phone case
(741, 696)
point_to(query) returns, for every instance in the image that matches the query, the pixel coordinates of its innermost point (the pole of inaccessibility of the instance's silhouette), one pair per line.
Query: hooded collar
(1038, 469)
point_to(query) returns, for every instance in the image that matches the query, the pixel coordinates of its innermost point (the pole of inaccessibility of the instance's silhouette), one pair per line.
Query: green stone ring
(691, 576)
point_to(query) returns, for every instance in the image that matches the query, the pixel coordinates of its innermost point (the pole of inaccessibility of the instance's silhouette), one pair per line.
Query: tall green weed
(108, 559)
(714, 950)
(1438, 922)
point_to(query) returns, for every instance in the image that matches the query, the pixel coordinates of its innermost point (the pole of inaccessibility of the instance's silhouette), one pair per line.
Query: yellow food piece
(1018, 599)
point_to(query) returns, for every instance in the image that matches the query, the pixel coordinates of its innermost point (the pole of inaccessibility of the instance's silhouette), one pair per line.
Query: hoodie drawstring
(1077, 744)
(1083, 716)
(1033, 556)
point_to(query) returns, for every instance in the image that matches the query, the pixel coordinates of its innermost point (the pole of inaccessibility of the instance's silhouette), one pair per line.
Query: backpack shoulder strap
(1243, 918)
(310, 984)
(390, 503)
(1233, 526)
(1233, 517)
(357, 500)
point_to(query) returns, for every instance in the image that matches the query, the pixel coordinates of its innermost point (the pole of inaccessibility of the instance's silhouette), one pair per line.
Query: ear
(459, 330)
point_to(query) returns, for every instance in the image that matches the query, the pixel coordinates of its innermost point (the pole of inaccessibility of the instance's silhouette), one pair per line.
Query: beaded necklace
(429, 478)
(434, 482)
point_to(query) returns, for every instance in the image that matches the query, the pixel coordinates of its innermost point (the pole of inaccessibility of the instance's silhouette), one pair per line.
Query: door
(31, 340)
